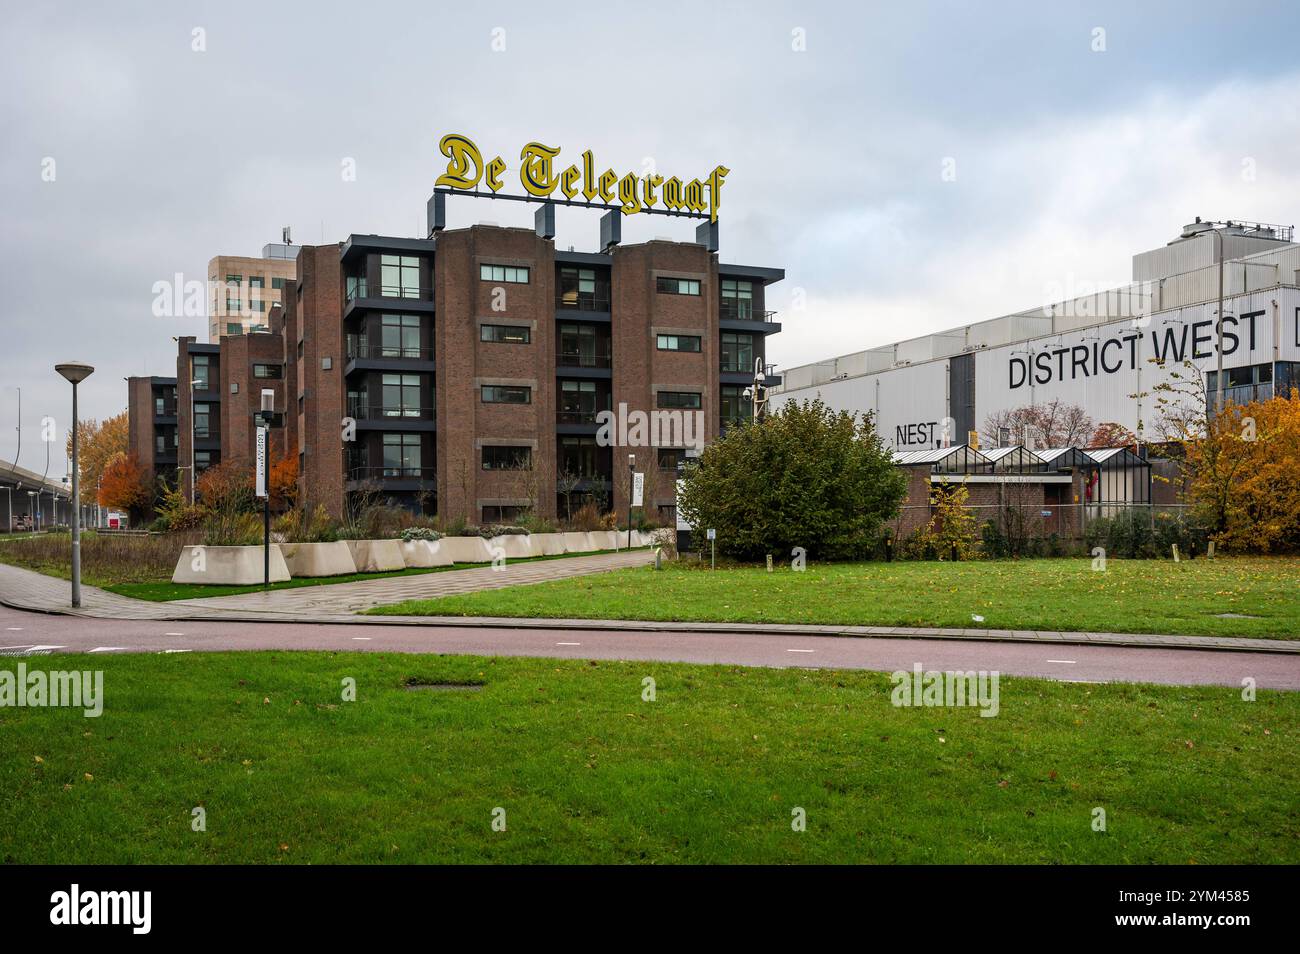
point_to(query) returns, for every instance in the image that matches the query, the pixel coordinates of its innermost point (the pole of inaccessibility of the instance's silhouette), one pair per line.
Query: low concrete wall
(376, 556)
(235, 566)
(577, 541)
(466, 549)
(515, 546)
(422, 553)
(318, 559)
(546, 544)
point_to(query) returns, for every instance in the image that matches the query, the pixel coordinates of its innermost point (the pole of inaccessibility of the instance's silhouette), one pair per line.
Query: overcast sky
(1068, 158)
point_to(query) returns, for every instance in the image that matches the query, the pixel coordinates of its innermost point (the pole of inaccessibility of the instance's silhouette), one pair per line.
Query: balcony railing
(583, 302)
(167, 410)
(576, 417)
(359, 348)
(582, 359)
(742, 367)
(360, 288)
(392, 473)
(374, 412)
(735, 311)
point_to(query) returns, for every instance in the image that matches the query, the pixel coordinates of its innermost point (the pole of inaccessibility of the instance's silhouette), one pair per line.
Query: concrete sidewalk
(338, 603)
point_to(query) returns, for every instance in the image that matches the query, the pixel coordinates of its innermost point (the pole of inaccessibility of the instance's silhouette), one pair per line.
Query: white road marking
(365, 639)
(37, 649)
(13, 629)
(173, 634)
(801, 650)
(24, 646)
(1068, 662)
(568, 644)
(106, 649)
(175, 650)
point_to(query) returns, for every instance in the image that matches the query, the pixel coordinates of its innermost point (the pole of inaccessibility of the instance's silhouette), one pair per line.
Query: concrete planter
(577, 541)
(609, 540)
(515, 546)
(234, 566)
(546, 544)
(466, 549)
(424, 553)
(318, 559)
(376, 556)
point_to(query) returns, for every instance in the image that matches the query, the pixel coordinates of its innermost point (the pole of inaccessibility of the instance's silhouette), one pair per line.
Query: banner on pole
(261, 462)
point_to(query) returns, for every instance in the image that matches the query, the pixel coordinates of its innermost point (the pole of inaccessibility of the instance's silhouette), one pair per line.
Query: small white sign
(638, 489)
(261, 462)
(711, 534)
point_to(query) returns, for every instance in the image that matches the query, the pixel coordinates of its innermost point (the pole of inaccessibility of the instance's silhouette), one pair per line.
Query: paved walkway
(337, 603)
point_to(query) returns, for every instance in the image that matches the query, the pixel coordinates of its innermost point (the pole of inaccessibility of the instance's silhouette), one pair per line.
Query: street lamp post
(1218, 378)
(75, 372)
(32, 503)
(631, 480)
(757, 392)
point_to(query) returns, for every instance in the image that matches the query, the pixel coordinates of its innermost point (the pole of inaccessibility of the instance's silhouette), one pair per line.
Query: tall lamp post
(75, 372)
(757, 392)
(267, 414)
(631, 480)
(33, 502)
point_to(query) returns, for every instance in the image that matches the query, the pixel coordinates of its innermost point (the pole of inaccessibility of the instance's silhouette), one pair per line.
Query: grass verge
(1130, 596)
(586, 771)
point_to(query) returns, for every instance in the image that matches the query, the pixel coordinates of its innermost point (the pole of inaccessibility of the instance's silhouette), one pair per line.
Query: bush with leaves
(952, 531)
(411, 534)
(805, 476)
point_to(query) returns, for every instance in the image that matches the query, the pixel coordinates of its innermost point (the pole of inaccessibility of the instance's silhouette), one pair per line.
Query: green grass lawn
(588, 772)
(1131, 596)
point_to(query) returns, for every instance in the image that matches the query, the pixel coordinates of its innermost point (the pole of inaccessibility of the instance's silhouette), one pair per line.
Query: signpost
(263, 432)
(713, 547)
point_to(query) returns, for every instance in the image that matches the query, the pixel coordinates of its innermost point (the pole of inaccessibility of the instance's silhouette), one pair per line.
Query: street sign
(261, 462)
(711, 534)
(638, 489)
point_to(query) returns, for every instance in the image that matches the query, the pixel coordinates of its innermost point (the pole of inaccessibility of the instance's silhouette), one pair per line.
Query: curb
(1128, 640)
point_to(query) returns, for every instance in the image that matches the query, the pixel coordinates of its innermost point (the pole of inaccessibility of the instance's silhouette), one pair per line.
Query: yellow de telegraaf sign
(632, 193)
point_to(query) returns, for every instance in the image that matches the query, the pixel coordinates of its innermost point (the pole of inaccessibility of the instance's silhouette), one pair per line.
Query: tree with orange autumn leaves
(1240, 469)
(124, 485)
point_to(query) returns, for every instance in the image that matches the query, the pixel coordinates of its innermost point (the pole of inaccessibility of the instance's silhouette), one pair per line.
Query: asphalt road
(23, 633)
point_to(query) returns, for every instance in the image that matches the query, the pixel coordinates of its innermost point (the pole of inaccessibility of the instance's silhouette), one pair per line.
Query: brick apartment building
(242, 290)
(463, 374)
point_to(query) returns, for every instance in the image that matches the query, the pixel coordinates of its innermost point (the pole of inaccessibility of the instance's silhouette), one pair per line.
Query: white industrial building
(1098, 352)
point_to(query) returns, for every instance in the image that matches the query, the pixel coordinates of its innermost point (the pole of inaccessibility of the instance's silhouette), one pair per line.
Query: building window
(513, 274)
(578, 402)
(268, 371)
(160, 443)
(401, 395)
(581, 346)
(160, 406)
(202, 420)
(678, 286)
(671, 458)
(506, 394)
(232, 305)
(402, 455)
(507, 458)
(505, 334)
(737, 299)
(737, 351)
(234, 279)
(399, 276)
(578, 457)
(735, 406)
(686, 400)
(234, 328)
(678, 342)
(202, 460)
(202, 369)
(578, 288)
(505, 513)
(399, 336)
(277, 284)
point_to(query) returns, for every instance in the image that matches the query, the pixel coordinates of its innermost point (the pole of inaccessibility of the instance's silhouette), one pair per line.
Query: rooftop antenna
(286, 235)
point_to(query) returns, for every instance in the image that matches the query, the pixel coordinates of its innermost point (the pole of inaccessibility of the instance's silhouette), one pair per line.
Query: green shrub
(411, 534)
(805, 476)
(490, 530)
